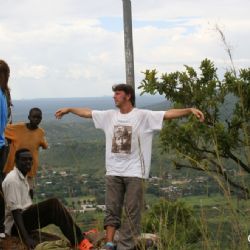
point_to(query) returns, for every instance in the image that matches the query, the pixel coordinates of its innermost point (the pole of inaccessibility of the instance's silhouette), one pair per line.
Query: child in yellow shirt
(26, 135)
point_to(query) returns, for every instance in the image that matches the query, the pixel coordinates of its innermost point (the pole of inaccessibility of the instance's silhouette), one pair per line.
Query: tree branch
(203, 150)
(239, 161)
(218, 171)
(179, 166)
(229, 155)
(231, 182)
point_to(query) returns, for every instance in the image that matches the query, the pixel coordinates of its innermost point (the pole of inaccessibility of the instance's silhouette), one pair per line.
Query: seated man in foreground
(21, 217)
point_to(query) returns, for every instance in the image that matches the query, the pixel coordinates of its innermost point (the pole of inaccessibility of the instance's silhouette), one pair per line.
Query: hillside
(50, 105)
(72, 169)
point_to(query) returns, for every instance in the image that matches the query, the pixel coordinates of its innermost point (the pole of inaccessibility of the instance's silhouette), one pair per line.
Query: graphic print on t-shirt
(121, 141)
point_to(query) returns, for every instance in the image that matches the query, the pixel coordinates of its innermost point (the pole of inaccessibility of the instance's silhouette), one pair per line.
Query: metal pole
(128, 43)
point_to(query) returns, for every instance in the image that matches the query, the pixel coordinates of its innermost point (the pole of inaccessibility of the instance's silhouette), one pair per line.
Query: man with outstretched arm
(22, 217)
(129, 133)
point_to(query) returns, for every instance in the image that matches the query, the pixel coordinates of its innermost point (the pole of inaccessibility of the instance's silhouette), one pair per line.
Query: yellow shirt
(22, 137)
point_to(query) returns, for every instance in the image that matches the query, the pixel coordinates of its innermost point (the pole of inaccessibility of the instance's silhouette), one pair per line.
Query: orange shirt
(22, 137)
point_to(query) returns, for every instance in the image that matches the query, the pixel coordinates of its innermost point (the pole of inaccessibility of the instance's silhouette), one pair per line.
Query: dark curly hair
(128, 89)
(4, 75)
(19, 151)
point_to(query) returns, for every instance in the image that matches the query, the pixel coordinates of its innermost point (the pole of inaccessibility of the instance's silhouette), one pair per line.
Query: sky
(75, 48)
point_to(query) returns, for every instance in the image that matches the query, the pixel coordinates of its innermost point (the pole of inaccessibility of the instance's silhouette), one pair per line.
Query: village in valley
(86, 193)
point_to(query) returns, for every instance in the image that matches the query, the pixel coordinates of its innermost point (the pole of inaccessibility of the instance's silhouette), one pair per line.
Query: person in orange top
(26, 135)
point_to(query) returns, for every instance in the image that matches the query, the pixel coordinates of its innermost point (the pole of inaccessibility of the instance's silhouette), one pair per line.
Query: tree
(221, 143)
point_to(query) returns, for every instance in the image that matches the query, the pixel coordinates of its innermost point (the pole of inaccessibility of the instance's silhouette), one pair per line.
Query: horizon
(50, 105)
(88, 97)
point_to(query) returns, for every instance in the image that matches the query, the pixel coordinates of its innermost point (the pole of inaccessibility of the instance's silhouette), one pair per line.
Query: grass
(221, 216)
(213, 214)
(224, 222)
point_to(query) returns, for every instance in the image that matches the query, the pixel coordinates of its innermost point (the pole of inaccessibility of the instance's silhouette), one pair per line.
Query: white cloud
(32, 71)
(63, 48)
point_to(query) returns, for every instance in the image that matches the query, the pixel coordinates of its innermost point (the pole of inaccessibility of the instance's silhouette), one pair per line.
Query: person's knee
(54, 202)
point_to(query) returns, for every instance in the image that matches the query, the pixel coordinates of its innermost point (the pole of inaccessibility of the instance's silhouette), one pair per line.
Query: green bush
(173, 222)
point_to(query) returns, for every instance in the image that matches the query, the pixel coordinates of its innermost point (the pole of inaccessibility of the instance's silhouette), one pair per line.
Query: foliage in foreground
(221, 145)
(173, 222)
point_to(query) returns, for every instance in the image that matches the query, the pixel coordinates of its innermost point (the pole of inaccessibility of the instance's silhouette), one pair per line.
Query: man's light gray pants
(124, 192)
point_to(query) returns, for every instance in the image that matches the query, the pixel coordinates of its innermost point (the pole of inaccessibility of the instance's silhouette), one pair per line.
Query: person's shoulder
(107, 111)
(18, 125)
(142, 111)
(41, 131)
(112, 111)
(148, 111)
(10, 178)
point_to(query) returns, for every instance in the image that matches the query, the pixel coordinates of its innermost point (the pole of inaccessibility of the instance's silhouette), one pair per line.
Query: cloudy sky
(74, 48)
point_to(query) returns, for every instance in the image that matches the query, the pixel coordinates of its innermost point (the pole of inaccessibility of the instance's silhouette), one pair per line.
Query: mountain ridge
(50, 105)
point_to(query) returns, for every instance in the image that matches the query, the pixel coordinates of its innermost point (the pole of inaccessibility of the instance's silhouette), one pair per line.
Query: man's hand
(61, 112)
(82, 112)
(198, 114)
(30, 243)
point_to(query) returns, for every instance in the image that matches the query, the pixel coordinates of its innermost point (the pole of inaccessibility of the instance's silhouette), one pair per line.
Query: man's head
(23, 159)
(35, 117)
(4, 75)
(123, 93)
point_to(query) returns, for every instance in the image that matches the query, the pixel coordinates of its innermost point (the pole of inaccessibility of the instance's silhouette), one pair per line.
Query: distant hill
(50, 105)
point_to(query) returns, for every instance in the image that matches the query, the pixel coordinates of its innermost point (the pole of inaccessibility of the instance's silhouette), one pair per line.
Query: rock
(14, 243)
(11, 243)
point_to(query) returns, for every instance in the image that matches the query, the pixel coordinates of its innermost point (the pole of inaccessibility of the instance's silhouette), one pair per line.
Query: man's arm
(82, 112)
(18, 218)
(176, 113)
(44, 143)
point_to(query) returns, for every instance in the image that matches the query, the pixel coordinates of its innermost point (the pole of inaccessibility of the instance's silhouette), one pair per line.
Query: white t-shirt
(128, 140)
(16, 195)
